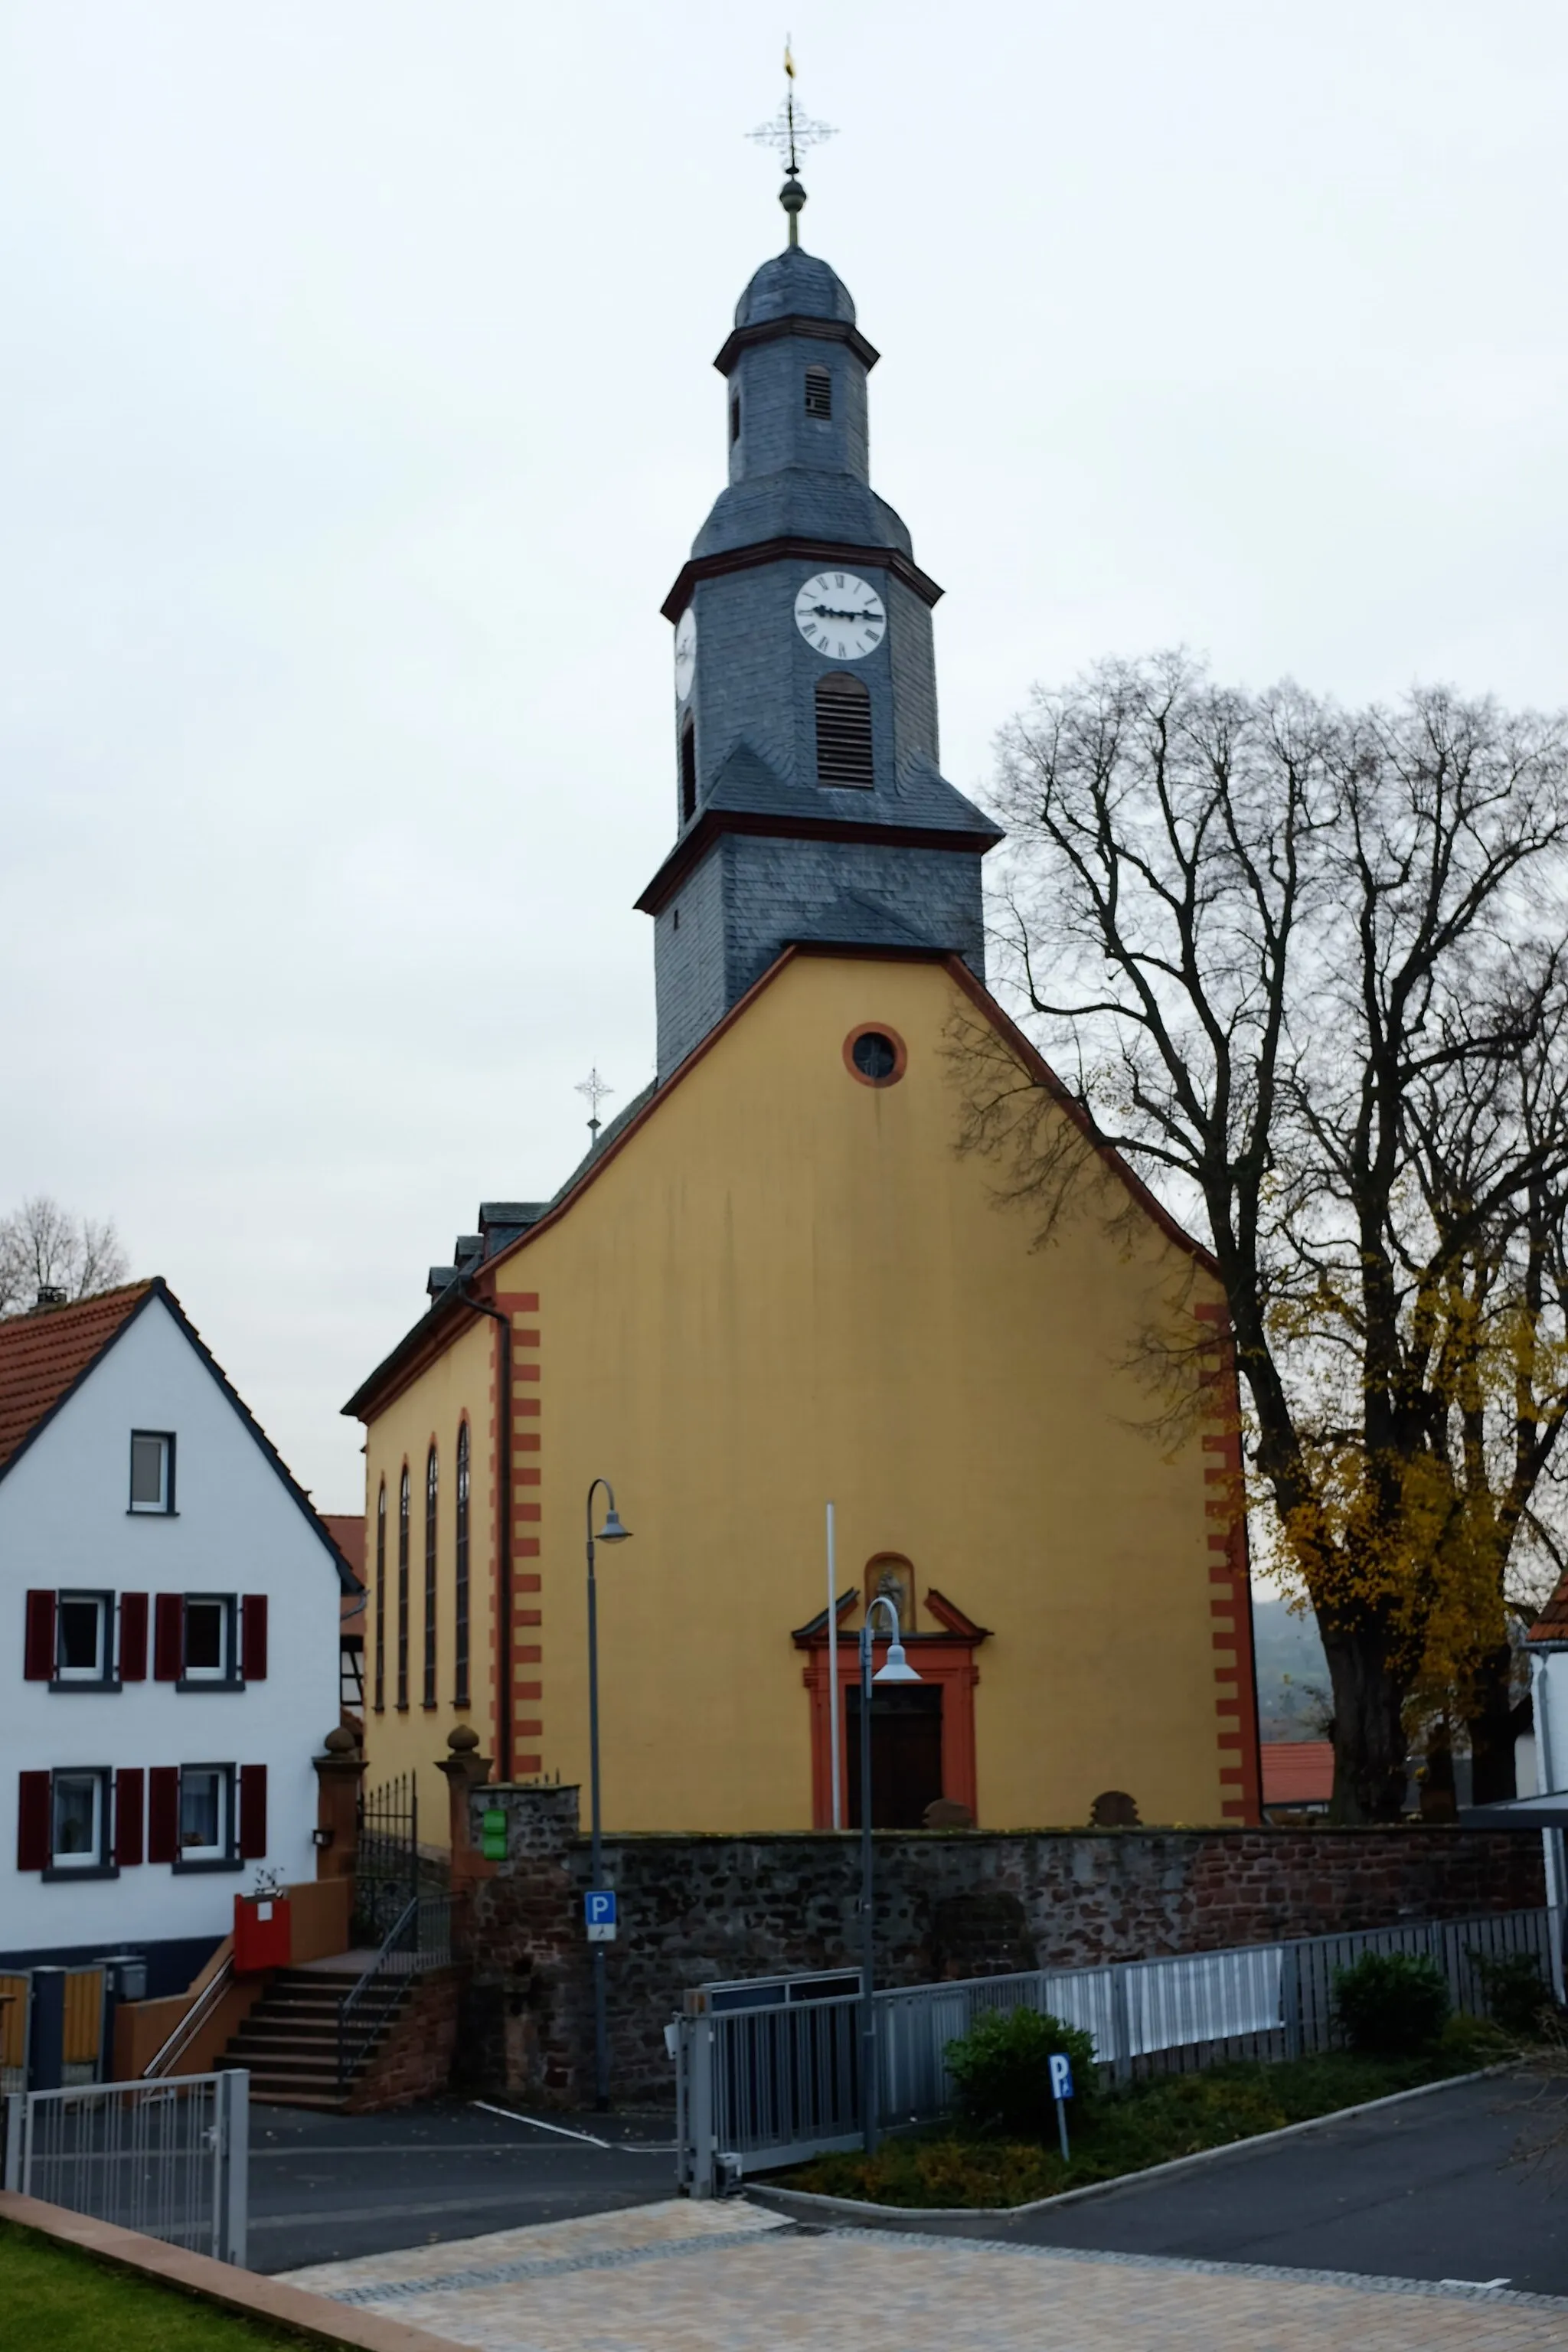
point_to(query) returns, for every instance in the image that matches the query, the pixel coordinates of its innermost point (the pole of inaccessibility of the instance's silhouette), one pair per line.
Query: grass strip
(53, 2297)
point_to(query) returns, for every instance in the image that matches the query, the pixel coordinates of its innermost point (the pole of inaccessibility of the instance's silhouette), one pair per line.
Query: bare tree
(44, 1247)
(1302, 967)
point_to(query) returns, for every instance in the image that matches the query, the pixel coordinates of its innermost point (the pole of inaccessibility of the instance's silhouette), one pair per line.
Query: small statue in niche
(891, 1578)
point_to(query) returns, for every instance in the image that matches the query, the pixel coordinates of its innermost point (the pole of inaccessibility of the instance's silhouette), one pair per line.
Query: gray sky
(356, 412)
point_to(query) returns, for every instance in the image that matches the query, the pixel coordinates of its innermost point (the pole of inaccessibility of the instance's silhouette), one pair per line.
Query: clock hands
(833, 613)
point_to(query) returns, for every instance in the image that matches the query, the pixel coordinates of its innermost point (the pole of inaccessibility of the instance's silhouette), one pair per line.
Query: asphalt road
(324, 2188)
(1427, 2190)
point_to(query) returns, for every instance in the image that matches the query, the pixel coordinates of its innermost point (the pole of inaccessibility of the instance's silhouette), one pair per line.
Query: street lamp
(897, 1669)
(611, 1532)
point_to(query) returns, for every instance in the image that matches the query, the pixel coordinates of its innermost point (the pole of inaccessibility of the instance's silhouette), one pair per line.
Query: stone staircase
(290, 2041)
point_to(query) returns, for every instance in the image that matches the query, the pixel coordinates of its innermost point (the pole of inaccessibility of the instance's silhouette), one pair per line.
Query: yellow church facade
(780, 1284)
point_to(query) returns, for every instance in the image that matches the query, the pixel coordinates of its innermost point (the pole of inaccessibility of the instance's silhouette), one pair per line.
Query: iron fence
(772, 2083)
(170, 2159)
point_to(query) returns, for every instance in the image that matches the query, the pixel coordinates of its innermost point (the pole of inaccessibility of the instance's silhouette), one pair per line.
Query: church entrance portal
(905, 1754)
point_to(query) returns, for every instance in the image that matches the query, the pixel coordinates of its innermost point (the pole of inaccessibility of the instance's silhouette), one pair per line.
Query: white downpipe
(833, 1672)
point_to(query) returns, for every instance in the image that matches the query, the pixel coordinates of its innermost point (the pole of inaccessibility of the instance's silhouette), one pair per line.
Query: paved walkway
(680, 2277)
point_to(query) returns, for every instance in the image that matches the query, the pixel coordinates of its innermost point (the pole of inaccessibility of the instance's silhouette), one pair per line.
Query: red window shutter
(163, 1812)
(169, 1637)
(253, 1638)
(39, 1666)
(33, 1821)
(253, 1812)
(127, 1787)
(134, 1640)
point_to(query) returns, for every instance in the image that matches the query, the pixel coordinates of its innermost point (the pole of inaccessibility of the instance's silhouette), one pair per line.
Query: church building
(777, 1282)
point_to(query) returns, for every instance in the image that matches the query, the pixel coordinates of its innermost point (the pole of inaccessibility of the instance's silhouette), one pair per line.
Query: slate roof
(43, 1355)
(794, 284)
(747, 785)
(801, 502)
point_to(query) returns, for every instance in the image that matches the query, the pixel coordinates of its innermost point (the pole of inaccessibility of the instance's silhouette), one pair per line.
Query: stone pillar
(465, 1771)
(338, 1775)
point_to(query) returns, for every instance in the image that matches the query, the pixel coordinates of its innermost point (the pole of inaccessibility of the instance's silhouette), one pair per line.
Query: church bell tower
(809, 806)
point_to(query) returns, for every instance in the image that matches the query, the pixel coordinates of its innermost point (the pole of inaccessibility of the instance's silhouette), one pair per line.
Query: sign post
(1062, 2092)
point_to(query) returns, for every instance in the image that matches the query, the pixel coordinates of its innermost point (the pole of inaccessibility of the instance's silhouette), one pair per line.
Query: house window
(381, 1598)
(403, 1590)
(687, 770)
(460, 1627)
(843, 732)
(152, 1470)
(79, 1820)
(209, 1638)
(734, 419)
(207, 1813)
(431, 1498)
(81, 1627)
(818, 392)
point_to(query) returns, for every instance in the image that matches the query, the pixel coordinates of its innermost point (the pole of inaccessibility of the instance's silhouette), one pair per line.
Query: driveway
(1427, 2189)
(326, 2188)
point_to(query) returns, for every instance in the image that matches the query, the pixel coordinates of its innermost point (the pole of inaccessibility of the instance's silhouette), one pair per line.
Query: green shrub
(1391, 2002)
(1474, 2041)
(1002, 2070)
(1516, 1991)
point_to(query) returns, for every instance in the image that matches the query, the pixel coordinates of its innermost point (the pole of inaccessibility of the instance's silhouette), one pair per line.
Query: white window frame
(227, 1668)
(96, 1854)
(223, 1849)
(164, 1506)
(102, 1670)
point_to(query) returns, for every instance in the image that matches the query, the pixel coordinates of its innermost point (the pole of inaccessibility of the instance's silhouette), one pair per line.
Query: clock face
(841, 616)
(685, 652)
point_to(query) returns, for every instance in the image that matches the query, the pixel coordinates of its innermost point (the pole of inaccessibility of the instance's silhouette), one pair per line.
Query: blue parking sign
(599, 1914)
(1061, 2077)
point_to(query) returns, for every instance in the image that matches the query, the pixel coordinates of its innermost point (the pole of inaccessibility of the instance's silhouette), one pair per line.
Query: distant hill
(1293, 1701)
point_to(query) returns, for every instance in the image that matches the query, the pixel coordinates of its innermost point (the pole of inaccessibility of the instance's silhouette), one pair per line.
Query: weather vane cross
(595, 1089)
(790, 133)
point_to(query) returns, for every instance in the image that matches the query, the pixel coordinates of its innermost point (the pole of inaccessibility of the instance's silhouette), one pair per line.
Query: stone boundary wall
(949, 1903)
(416, 2060)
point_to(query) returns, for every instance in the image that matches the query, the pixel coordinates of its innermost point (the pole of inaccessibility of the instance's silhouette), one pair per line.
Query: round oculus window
(876, 1057)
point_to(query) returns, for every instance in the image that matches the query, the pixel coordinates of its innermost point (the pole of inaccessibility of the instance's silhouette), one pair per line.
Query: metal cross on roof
(790, 132)
(596, 1088)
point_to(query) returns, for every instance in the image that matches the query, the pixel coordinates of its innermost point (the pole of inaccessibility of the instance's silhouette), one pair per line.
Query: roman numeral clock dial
(841, 616)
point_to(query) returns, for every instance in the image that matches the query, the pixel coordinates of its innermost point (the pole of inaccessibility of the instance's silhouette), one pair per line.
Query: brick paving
(680, 2277)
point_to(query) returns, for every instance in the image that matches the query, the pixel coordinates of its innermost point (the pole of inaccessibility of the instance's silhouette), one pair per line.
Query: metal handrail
(186, 2030)
(381, 1966)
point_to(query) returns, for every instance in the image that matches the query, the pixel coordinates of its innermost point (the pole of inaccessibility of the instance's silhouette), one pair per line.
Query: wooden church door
(905, 1754)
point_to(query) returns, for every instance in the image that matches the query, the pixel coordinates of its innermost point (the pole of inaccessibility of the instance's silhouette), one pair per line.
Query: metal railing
(774, 2083)
(170, 2160)
(419, 1938)
(164, 2058)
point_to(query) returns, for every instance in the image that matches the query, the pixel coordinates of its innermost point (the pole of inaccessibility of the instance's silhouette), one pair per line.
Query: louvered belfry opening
(843, 732)
(687, 770)
(818, 392)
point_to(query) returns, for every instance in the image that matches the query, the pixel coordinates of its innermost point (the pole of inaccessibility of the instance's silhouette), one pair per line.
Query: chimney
(49, 1295)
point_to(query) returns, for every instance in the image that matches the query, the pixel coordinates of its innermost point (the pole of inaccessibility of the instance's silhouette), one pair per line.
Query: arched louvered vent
(843, 731)
(818, 392)
(687, 770)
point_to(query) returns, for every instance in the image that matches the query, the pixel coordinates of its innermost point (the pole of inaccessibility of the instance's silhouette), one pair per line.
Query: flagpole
(833, 1674)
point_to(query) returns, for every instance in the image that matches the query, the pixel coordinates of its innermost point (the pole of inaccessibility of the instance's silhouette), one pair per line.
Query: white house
(171, 1659)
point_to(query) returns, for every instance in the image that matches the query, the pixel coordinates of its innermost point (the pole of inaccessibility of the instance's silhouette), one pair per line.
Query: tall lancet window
(403, 1592)
(432, 1488)
(381, 1597)
(687, 769)
(460, 1582)
(843, 731)
(818, 392)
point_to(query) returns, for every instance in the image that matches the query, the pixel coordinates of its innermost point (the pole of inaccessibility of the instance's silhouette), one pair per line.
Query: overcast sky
(356, 412)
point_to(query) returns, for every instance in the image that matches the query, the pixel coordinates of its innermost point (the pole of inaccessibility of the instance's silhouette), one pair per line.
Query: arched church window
(688, 770)
(818, 392)
(432, 1488)
(381, 1597)
(843, 731)
(460, 1626)
(403, 1592)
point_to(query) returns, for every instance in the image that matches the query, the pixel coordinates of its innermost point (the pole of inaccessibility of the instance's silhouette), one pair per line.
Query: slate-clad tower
(809, 802)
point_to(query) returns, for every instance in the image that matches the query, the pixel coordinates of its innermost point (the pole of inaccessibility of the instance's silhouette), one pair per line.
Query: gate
(386, 1862)
(170, 2159)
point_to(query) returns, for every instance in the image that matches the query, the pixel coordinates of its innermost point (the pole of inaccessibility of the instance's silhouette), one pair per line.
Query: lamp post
(611, 1532)
(897, 1670)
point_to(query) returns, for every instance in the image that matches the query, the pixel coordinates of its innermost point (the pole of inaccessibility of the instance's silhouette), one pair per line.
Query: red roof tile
(1551, 1626)
(42, 1354)
(1298, 1771)
(347, 1531)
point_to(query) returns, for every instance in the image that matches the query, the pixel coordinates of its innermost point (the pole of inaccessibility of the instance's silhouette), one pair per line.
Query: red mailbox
(263, 1934)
